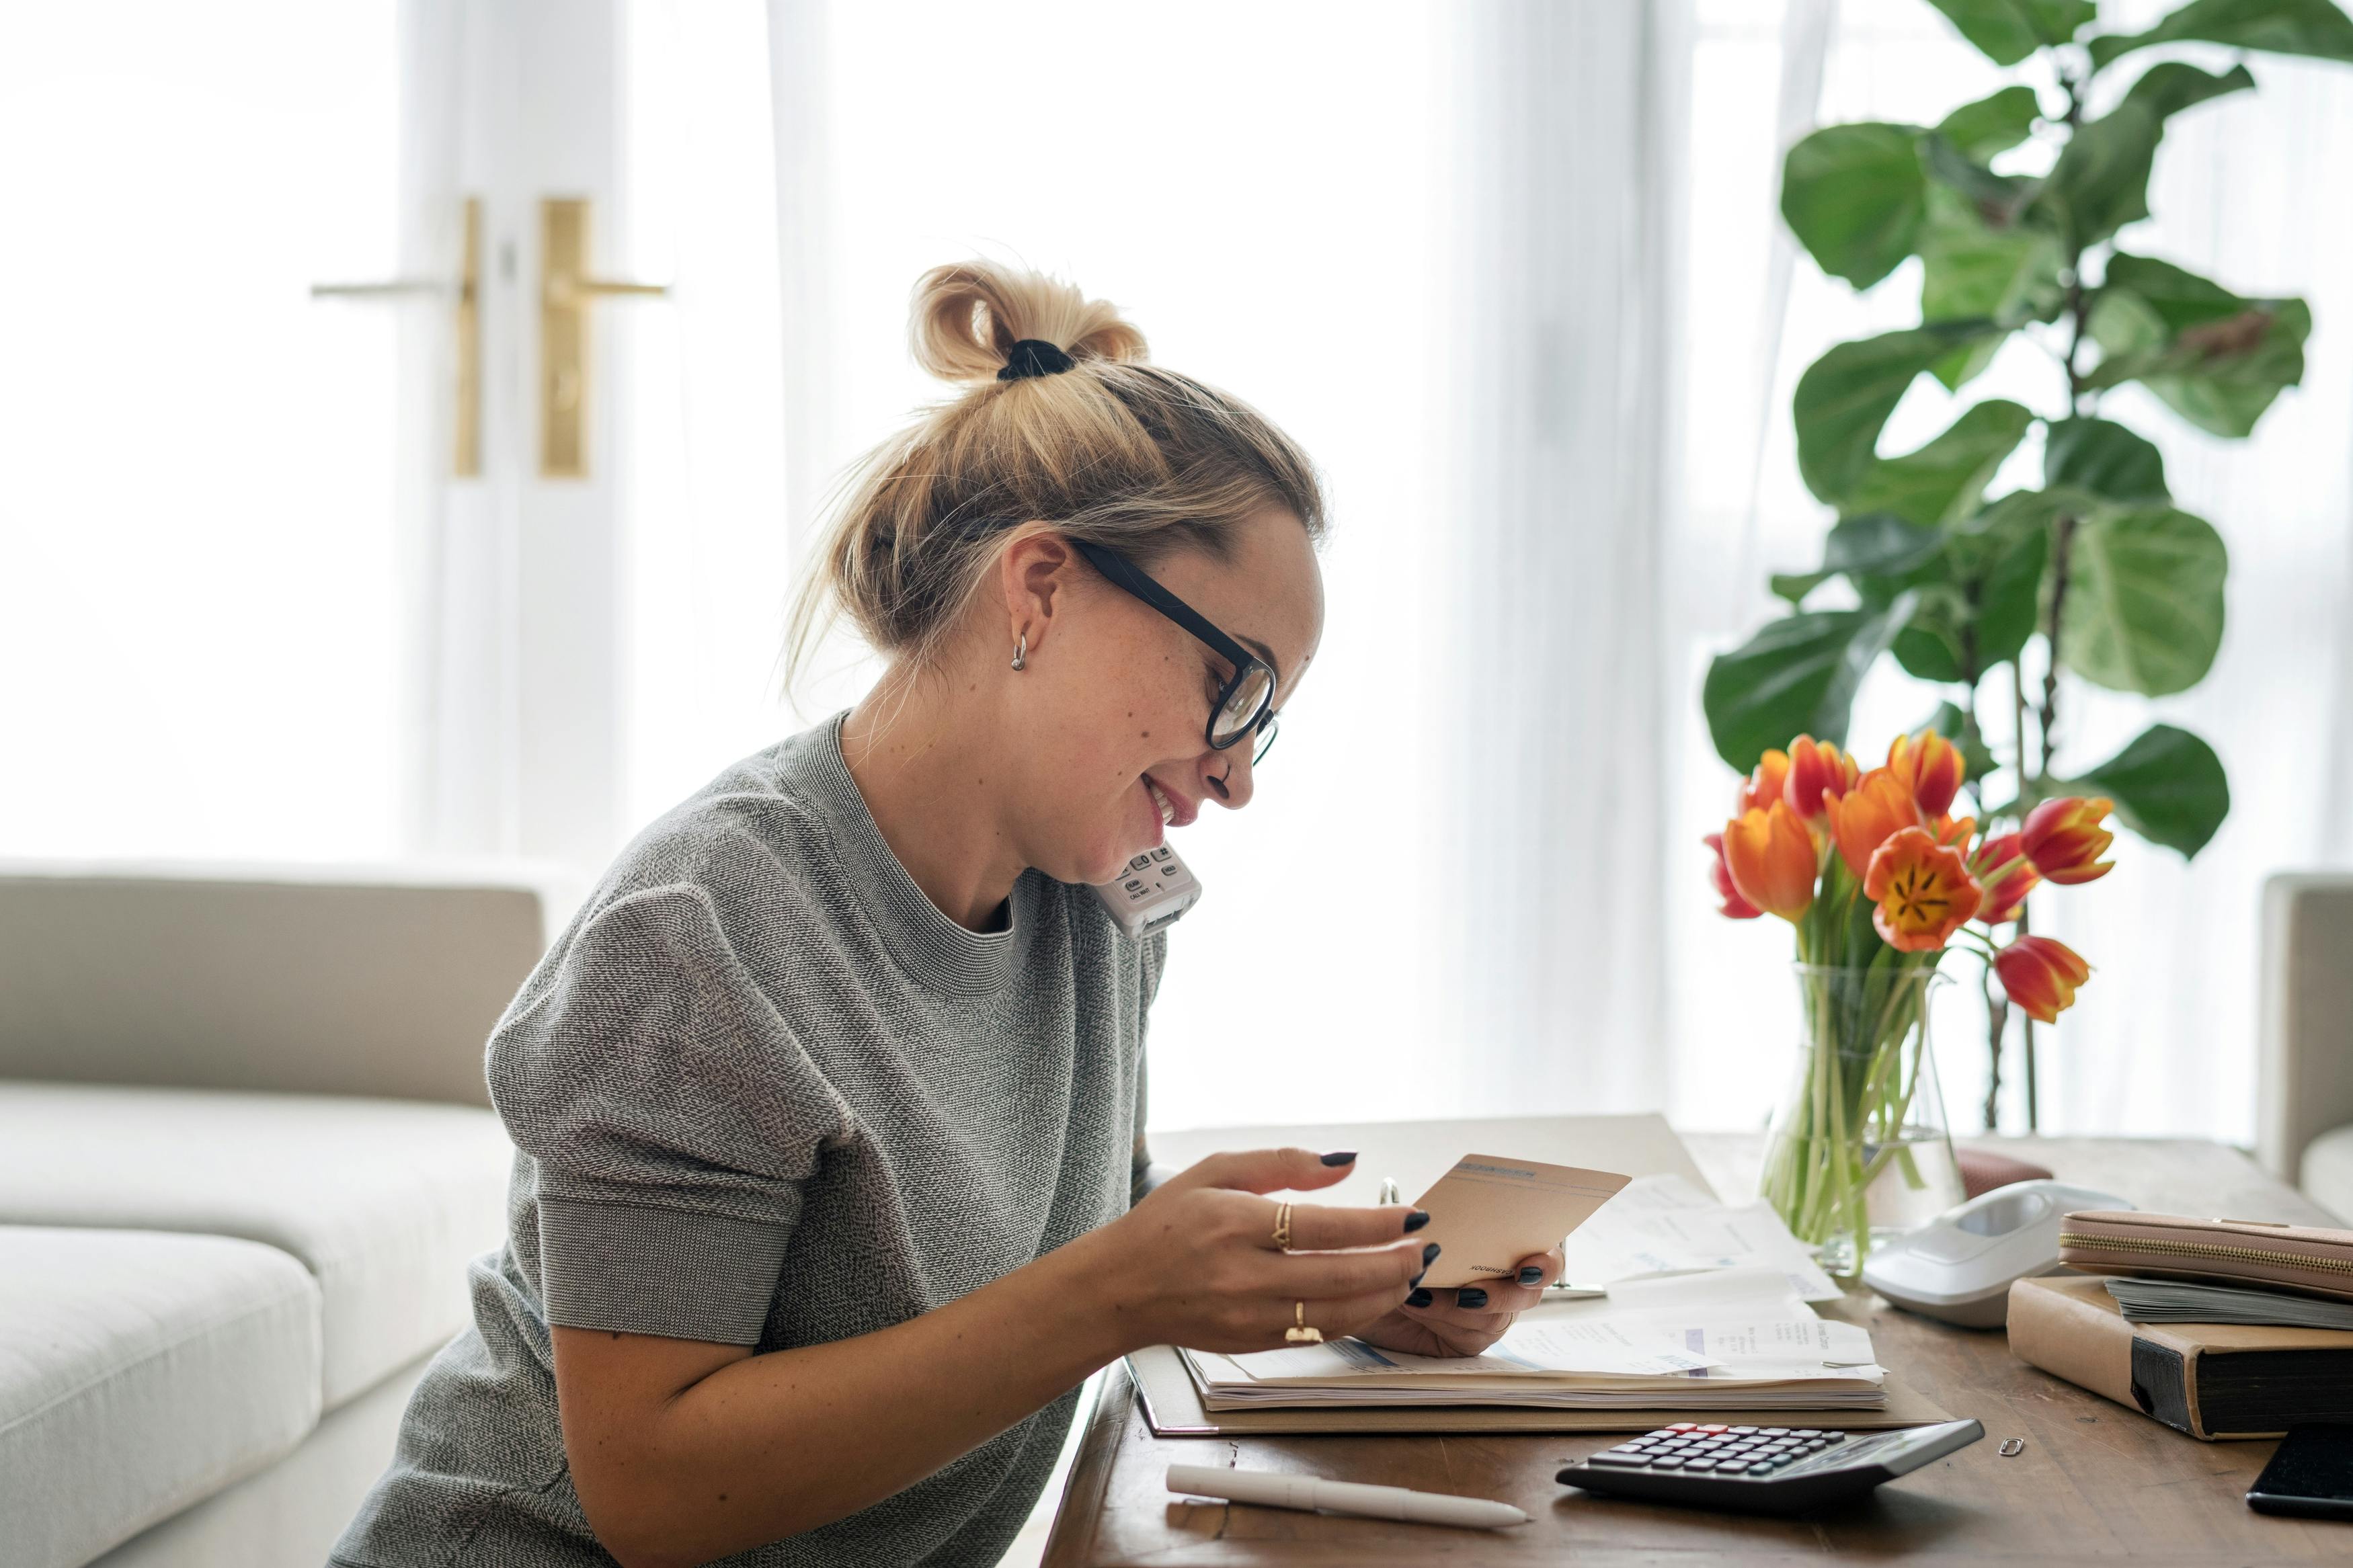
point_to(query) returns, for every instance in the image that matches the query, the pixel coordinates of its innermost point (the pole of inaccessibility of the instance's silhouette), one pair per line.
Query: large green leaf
(1795, 677)
(2010, 30)
(2106, 459)
(1991, 125)
(1945, 478)
(2010, 595)
(1844, 399)
(1978, 597)
(2168, 786)
(2101, 181)
(1866, 545)
(2316, 28)
(1978, 261)
(2217, 359)
(2144, 607)
(1853, 196)
(1878, 541)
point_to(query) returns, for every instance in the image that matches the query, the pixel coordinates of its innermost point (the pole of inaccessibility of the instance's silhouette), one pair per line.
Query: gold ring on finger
(1282, 1228)
(1300, 1332)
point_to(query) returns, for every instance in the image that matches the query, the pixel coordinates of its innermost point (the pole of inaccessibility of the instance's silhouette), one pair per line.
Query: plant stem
(2062, 538)
(1996, 1026)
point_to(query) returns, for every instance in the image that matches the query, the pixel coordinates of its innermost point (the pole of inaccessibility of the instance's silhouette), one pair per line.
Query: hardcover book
(2210, 1380)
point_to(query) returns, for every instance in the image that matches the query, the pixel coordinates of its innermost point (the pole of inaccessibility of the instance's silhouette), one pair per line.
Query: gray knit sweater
(764, 1093)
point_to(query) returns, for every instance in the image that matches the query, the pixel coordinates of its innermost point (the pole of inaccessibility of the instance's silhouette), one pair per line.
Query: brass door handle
(390, 288)
(566, 288)
(466, 457)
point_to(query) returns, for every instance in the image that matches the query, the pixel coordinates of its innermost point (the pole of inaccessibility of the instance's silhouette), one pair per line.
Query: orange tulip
(1763, 787)
(2064, 839)
(1862, 819)
(1735, 907)
(2007, 895)
(1952, 832)
(1770, 858)
(1923, 890)
(2041, 975)
(1931, 768)
(1816, 769)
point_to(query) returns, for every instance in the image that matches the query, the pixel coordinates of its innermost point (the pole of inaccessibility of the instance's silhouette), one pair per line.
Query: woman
(829, 1102)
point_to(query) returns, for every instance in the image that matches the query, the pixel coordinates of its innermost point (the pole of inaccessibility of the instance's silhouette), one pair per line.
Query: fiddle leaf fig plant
(2094, 571)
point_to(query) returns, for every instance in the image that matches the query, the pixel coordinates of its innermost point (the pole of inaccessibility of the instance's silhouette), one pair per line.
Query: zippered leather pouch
(2306, 1258)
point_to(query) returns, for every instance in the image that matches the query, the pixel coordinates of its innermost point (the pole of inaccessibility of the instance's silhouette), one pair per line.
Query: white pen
(1341, 1497)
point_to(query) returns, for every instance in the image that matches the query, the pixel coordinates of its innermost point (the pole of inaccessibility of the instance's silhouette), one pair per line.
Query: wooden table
(2095, 1480)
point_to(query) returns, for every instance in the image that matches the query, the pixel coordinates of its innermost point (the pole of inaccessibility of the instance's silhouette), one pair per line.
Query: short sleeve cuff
(631, 1269)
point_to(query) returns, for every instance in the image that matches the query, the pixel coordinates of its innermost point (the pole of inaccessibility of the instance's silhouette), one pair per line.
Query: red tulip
(1862, 820)
(2041, 975)
(2064, 839)
(1763, 787)
(1930, 767)
(2007, 895)
(1771, 860)
(1735, 906)
(1923, 890)
(1816, 768)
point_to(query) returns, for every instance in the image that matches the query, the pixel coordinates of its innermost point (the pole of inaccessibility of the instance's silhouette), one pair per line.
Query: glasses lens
(1250, 696)
(1265, 740)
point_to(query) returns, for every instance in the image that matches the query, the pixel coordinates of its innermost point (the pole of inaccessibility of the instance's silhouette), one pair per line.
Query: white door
(309, 519)
(512, 143)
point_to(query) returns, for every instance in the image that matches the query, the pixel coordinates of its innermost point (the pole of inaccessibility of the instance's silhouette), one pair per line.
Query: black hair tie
(1034, 356)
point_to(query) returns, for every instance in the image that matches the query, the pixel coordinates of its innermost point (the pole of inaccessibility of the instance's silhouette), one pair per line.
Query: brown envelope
(1490, 1212)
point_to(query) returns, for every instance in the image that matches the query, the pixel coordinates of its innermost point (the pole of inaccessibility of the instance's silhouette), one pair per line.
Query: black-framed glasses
(1245, 704)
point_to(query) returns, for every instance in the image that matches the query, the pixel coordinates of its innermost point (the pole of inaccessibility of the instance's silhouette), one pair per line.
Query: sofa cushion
(2327, 1175)
(138, 1372)
(384, 1201)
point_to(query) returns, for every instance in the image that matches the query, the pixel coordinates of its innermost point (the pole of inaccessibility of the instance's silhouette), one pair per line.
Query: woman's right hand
(1194, 1264)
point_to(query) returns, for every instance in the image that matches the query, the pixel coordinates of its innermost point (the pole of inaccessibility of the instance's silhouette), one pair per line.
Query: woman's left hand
(1464, 1322)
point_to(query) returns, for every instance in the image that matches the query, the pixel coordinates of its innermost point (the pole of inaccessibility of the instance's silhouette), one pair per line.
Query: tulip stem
(1847, 1122)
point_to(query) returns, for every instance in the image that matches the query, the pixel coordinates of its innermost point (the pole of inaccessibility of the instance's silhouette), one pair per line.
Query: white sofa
(245, 1155)
(2306, 1116)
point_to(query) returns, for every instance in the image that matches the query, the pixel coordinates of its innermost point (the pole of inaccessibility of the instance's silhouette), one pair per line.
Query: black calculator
(1762, 1469)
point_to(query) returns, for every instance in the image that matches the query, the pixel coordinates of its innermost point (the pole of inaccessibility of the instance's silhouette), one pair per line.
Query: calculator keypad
(1696, 1449)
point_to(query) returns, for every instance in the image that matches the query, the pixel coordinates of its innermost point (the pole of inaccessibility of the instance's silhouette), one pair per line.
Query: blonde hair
(1115, 451)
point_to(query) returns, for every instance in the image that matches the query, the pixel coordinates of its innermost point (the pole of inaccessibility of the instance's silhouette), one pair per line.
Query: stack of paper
(2196, 1301)
(1738, 1340)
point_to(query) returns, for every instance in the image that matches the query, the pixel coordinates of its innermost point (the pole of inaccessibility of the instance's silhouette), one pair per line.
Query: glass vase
(1860, 1151)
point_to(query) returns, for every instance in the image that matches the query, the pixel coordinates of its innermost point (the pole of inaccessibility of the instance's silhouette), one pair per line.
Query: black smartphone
(2310, 1474)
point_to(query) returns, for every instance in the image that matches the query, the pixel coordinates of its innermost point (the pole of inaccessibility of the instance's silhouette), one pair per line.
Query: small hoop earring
(1021, 652)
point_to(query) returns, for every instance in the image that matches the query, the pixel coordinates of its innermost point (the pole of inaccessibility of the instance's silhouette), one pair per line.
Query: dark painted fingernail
(1429, 1255)
(1531, 1274)
(1470, 1297)
(1339, 1157)
(1416, 1220)
(1416, 1279)
(1420, 1298)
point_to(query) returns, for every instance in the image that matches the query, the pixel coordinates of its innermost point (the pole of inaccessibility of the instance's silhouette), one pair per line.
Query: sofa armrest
(306, 980)
(2305, 1073)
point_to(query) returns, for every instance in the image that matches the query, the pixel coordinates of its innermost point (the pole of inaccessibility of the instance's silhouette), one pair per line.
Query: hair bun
(967, 318)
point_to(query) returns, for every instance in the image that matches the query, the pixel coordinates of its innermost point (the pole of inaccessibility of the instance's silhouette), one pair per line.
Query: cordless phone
(1150, 892)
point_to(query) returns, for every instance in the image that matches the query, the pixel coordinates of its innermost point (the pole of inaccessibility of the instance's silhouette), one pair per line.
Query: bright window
(198, 582)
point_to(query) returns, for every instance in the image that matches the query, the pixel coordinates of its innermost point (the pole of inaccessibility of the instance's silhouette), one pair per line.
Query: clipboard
(1172, 1408)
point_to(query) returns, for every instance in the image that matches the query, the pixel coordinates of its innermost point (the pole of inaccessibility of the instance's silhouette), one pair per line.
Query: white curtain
(1545, 738)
